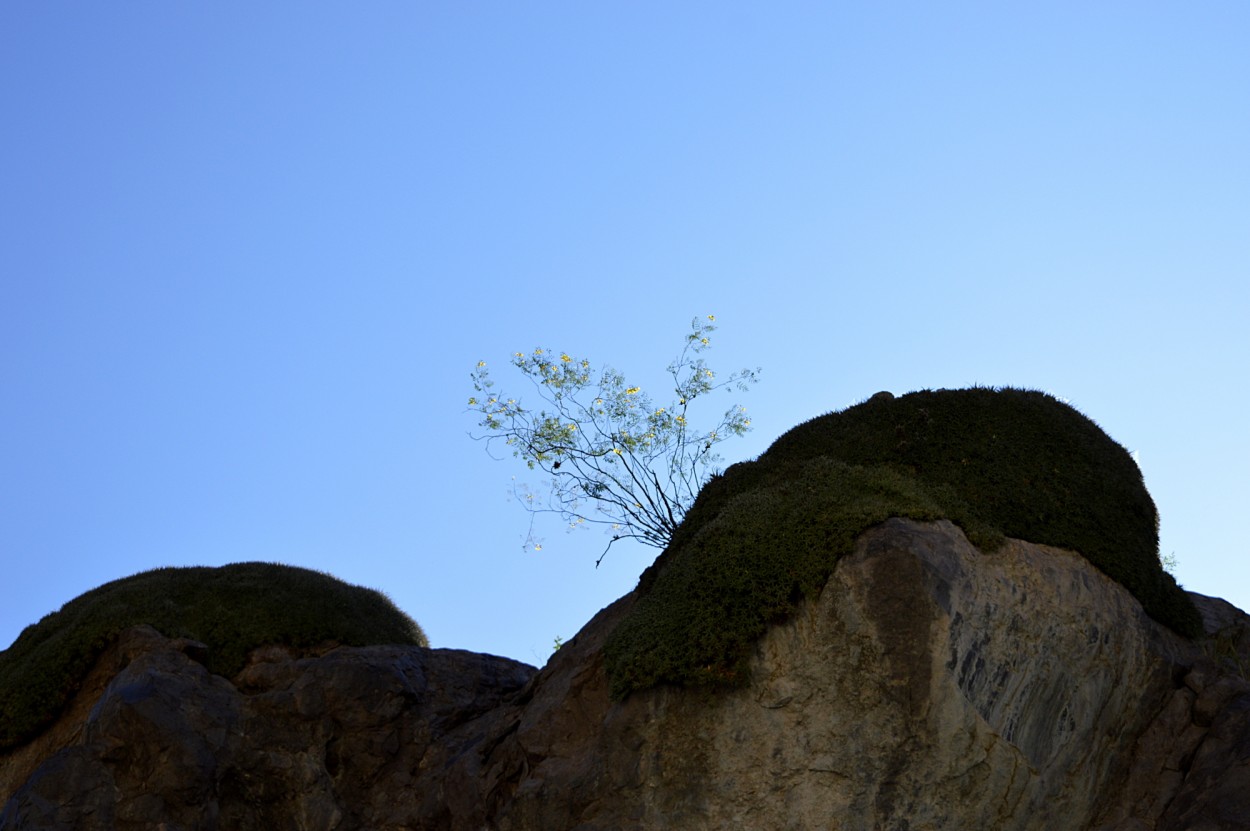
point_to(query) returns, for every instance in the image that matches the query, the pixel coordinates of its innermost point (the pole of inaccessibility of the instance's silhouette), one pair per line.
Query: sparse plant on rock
(614, 457)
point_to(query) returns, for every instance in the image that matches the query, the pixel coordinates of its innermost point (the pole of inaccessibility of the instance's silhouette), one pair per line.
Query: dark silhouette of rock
(336, 740)
(928, 686)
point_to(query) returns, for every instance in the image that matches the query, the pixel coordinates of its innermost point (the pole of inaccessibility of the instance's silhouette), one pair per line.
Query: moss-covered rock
(767, 533)
(232, 609)
(1028, 464)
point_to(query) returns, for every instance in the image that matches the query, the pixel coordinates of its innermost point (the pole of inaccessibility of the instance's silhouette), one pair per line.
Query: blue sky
(252, 252)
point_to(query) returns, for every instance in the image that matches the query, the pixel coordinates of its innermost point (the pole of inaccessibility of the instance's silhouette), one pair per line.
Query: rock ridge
(928, 686)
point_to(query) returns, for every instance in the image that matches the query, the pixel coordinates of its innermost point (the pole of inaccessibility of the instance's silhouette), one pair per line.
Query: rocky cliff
(929, 685)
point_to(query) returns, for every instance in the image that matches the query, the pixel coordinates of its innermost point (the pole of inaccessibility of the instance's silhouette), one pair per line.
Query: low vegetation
(232, 609)
(767, 533)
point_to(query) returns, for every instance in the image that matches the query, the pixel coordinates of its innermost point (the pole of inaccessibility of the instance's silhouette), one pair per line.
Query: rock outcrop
(928, 686)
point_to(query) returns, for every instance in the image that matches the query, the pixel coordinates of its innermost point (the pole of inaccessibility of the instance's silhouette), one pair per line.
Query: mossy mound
(233, 609)
(1028, 464)
(758, 540)
(766, 534)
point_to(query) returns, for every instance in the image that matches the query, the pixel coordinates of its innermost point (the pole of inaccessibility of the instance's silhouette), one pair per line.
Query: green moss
(232, 609)
(1030, 465)
(767, 533)
(761, 538)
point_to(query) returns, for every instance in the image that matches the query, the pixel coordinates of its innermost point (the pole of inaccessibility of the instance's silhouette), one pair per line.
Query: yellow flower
(472, 402)
(616, 450)
(711, 317)
(704, 341)
(708, 373)
(660, 411)
(564, 357)
(632, 390)
(538, 351)
(481, 364)
(538, 546)
(681, 419)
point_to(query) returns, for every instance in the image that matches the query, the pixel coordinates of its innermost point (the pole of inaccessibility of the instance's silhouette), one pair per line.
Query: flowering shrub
(613, 457)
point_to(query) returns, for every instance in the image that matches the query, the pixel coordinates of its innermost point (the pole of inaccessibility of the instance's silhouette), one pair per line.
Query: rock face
(930, 686)
(318, 742)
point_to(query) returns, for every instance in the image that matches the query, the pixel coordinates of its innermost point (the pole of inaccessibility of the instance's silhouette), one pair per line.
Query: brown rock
(330, 741)
(929, 686)
(1215, 794)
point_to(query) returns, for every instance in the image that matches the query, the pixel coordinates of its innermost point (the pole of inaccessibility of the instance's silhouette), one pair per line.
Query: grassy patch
(767, 533)
(232, 609)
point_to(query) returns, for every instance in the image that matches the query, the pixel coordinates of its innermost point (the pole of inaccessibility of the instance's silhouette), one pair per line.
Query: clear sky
(252, 252)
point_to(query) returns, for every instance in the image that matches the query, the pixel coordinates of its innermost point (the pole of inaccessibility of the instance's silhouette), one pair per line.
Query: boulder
(929, 686)
(294, 741)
